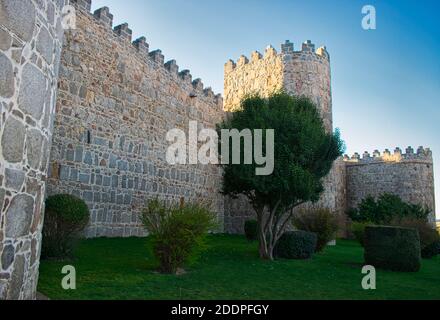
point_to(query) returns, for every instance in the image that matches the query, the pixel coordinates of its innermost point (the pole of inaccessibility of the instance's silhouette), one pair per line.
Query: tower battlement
(287, 51)
(422, 154)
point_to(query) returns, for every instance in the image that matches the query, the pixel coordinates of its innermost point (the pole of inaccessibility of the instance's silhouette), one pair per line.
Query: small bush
(429, 237)
(392, 248)
(178, 232)
(65, 217)
(296, 245)
(432, 250)
(251, 230)
(385, 209)
(358, 231)
(320, 221)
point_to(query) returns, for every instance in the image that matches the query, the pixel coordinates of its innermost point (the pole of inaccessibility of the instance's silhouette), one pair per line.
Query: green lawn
(230, 269)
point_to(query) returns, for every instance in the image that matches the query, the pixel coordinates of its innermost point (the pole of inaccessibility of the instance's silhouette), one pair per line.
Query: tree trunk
(270, 231)
(266, 251)
(265, 245)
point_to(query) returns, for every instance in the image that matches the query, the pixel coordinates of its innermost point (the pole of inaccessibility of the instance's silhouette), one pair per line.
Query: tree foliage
(178, 232)
(322, 222)
(303, 154)
(385, 209)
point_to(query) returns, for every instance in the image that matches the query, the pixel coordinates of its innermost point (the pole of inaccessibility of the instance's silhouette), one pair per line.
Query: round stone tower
(308, 73)
(30, 47)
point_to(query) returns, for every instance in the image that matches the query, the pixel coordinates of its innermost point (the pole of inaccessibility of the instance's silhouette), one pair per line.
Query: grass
(230, 269)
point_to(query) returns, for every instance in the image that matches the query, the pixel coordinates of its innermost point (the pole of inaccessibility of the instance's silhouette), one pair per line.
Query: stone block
(19, 216)
(32, 91)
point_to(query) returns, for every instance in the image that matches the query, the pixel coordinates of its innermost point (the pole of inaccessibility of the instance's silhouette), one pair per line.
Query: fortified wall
(409, 175)
(116, 102)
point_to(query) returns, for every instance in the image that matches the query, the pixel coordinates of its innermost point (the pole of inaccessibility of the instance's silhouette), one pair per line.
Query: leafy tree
(303, 155)
(385, 209)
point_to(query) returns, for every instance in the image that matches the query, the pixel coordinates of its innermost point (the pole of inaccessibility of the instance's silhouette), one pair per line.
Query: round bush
(65, 217)
(296, 245)
(178, 232)
(431, 250)
(429, 236)
(251, 230)
(393, 248)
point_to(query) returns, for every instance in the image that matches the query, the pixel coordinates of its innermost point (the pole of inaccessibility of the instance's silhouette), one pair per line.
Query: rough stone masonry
(115, 101)
(30, 48)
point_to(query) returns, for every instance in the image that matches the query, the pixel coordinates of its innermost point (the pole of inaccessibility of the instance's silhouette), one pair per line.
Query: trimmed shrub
(392, 248)
(178, 232)
(429, 237)
(251, 230)
(65, 217)
(358, 231)
(385, 209)
(296, 245)
(320, 221)
(432, 250)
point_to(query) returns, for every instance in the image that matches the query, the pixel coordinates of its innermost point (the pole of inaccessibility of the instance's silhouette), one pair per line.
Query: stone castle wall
(30, 45)
(116, 103)
(409, 175)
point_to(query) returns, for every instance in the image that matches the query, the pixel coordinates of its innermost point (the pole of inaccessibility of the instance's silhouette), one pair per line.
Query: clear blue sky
(386, 82)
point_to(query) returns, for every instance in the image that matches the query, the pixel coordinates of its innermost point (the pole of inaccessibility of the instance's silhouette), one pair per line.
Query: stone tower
(30, 49)
(305, 72)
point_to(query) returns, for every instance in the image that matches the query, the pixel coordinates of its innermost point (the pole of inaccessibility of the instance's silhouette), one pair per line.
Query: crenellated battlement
(287, 52)
(141, 45)
(104, 17)
(123, 31)
(422, 154)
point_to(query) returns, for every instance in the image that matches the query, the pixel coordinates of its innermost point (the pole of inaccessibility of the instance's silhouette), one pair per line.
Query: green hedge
(431, 250)
(393, 248)
(65, 218)
(429, 237)
(251, 230)
(296, 245)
